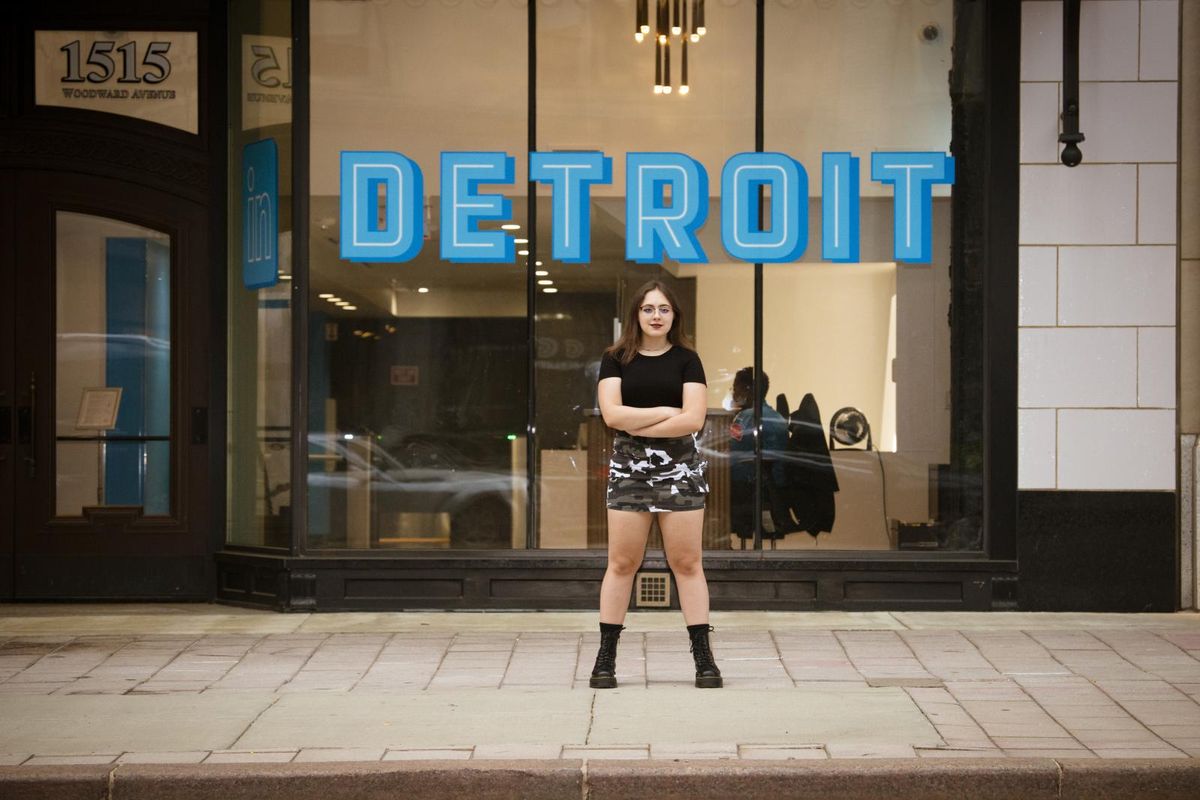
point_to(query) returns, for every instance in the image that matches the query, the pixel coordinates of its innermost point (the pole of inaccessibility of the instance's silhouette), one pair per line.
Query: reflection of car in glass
(426, 476)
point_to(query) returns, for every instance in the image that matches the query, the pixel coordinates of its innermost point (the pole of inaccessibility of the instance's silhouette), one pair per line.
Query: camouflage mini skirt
(653, 474)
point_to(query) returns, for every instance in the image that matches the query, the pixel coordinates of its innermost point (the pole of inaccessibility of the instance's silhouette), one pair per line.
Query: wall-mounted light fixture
(679, 19)
(1070, 136)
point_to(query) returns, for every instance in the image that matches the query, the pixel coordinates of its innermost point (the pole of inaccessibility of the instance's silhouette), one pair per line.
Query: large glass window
(418, 370)
(596, 90)
(260, 305)
(859, 354)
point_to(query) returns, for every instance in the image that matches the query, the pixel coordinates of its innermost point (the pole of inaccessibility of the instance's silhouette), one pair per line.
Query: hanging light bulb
(675, 29)
(658, 67)
(683, 76)
(700, 29)
(640, 26)
(667, 68)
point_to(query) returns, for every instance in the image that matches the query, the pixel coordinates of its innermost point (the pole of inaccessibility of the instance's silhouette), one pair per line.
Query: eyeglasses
(664, 311)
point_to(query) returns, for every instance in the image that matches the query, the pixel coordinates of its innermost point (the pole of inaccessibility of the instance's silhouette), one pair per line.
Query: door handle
(26, 423)
(199, 425)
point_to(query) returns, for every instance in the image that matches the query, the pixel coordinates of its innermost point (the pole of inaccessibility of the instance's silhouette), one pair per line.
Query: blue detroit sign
(666, 203)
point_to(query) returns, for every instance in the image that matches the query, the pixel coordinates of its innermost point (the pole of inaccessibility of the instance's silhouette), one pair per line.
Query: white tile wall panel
(1077, 367)
(1041, 41)
(1128, 121)
(1110, 449)
(1038, 286)
(1036, 446)
(1156, 367)
(1108, 41)
(1157, 195)
(1116, 286)
(1039, 123)
(1090, 204)
(1160, 41)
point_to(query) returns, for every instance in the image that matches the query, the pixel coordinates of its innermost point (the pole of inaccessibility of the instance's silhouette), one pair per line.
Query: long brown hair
(626, 347)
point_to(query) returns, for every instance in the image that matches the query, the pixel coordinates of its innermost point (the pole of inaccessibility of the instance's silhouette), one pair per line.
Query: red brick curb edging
(836, 779)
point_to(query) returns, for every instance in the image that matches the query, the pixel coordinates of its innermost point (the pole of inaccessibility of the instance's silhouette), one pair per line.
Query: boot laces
(608, 648)
(701, 647)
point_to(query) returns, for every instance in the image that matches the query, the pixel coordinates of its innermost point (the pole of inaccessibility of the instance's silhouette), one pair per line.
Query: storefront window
(418, 389)
(260, 274)
(596, 91)
(418, 371)
(860, 352)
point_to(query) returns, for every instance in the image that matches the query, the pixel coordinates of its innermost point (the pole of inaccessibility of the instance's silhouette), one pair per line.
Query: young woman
(652, 393)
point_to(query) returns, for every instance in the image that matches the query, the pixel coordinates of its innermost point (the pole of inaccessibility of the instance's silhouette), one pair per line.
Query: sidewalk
(107, 685)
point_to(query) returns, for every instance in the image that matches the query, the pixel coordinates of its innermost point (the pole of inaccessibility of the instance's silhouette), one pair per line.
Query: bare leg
(681, 533)
(627, 534)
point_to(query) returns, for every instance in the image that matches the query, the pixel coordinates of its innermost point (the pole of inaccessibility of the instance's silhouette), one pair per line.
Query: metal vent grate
(654, 589)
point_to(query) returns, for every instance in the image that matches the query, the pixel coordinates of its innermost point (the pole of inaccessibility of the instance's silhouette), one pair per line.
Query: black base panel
(1097, 551)
(178, 578)
(6, 578)
(530, 582)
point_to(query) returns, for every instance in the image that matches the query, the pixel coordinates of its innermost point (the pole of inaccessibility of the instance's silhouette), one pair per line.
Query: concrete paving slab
(192, 757)
(429, 719)
(251, 757)
(769, 752)
(453, 754)
(58, 761)
(325, 754)
(770, 716)
(129, 723)
(1035, 620)
(16, 623)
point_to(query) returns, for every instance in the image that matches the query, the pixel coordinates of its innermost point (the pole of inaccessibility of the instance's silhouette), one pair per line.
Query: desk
(714, 444)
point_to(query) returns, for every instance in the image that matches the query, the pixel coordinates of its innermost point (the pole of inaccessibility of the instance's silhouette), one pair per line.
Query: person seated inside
(741, 451)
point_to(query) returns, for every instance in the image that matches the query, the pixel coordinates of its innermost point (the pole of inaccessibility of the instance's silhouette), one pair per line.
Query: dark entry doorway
(108, 468)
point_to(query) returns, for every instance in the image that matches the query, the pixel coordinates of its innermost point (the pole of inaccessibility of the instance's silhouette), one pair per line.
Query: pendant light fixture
(672, 18)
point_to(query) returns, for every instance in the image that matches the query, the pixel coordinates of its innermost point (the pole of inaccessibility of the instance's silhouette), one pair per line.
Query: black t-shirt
(651, 381)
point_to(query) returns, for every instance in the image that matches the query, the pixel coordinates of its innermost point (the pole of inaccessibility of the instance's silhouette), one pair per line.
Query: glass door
(111, 386)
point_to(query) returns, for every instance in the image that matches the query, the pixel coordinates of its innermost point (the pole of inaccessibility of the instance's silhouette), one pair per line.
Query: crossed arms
(661, 421)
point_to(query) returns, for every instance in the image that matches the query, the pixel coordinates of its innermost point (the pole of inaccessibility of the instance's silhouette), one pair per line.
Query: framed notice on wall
(150, 75)
(98, 409)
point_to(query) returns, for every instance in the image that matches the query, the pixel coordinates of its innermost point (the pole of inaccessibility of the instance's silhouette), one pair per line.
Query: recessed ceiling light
(550, 290)
(342, 303)
(546, 282)
(325, 296)
(285, 277)
(521, 241)
(537, 263)
(510, 226)
(522, 252)
(349, 308)
(541, 273)
(334, 299)
(423, 290)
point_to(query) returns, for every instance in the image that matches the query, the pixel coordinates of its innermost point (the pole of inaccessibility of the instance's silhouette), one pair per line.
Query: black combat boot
(707, 674)
(604, 674)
